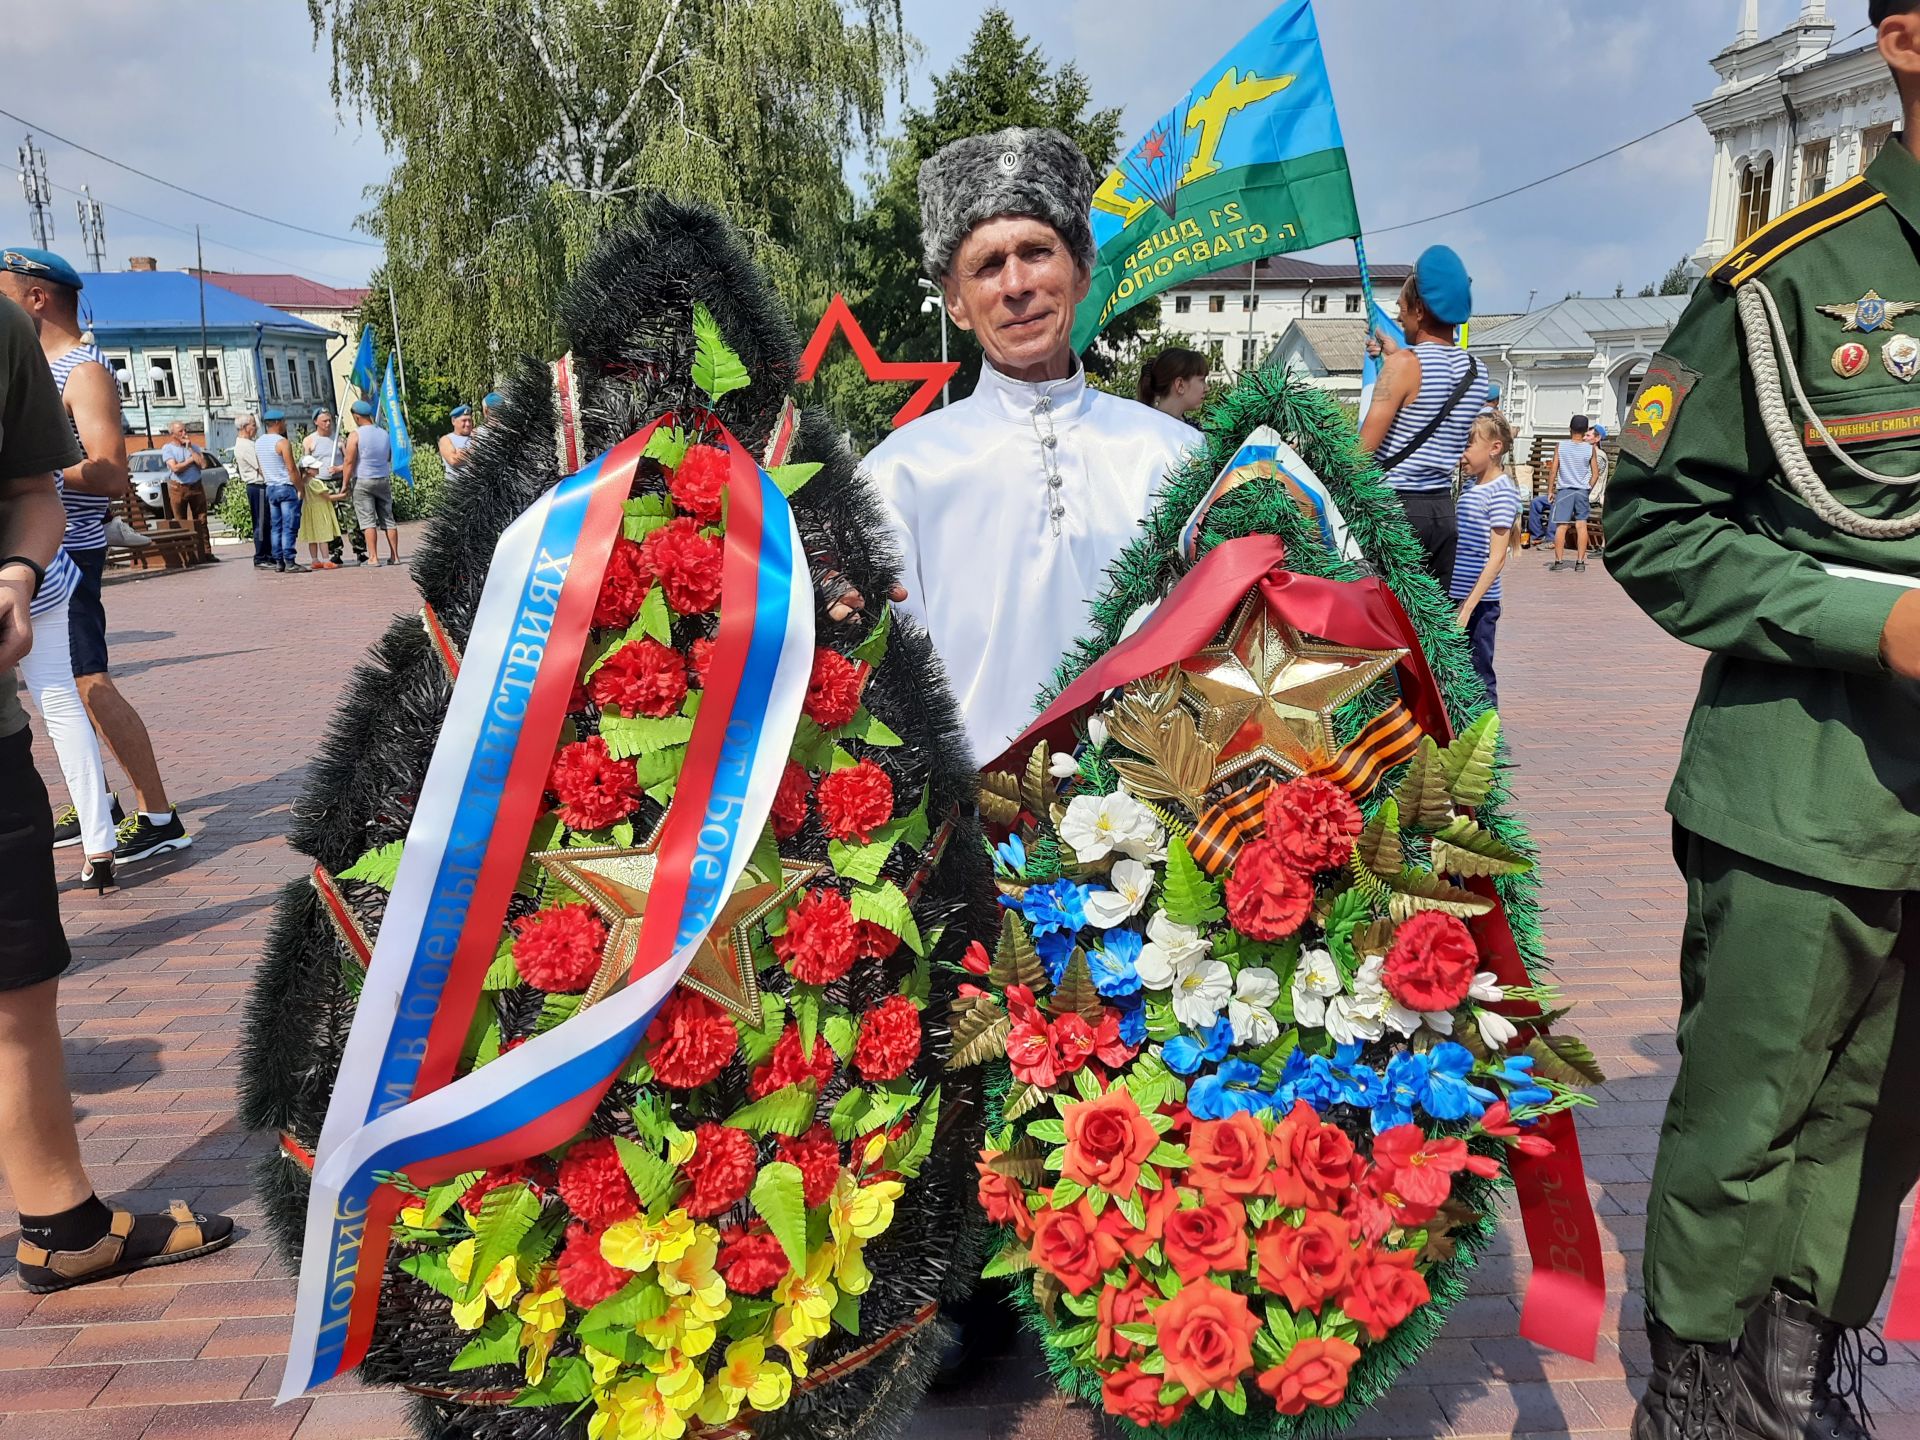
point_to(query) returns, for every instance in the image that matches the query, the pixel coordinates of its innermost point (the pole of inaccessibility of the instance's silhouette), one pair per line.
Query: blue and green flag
(392, 416)
(362, 376)
(1250, 164)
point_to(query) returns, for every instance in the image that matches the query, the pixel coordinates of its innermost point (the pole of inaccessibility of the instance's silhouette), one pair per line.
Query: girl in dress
(319, 525)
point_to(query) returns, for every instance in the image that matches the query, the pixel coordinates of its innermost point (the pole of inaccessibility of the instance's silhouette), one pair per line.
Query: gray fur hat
(1010, 172)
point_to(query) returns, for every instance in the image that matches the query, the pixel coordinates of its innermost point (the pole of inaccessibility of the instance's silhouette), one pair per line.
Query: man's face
(1014, 283)
(323, 423)
(177, 432)
(23, 292)
(463, 424)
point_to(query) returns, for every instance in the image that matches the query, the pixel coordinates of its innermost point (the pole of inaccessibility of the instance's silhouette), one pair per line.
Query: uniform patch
(1901, 356)
(1860, 429)
(1869, 312)
(1657, 405)
(1850, 360)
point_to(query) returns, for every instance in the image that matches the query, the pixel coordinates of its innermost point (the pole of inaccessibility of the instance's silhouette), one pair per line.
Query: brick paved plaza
(236, 674)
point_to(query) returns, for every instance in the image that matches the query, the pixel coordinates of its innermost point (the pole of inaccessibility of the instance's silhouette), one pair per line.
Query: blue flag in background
(390, 415)
(1370, 367)
(362, 376)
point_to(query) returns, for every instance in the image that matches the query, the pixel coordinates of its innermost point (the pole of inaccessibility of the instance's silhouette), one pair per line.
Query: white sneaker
(121, 533)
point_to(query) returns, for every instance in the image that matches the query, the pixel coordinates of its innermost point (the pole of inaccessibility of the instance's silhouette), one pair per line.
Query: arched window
(1756, 198)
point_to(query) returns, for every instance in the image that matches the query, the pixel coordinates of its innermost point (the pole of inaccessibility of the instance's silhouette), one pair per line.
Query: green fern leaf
(1189, 897)
(788, 1111)
(780, 1197)
(1470, 758)
(716, 370)
(1422, 792)
(1379, 845)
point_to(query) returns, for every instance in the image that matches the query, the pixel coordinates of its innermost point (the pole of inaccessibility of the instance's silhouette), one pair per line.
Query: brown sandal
(45, 1271)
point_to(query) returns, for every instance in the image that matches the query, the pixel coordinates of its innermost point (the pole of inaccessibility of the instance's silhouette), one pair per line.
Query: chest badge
(1901, 356)
(1869, 312)
(1851, 359)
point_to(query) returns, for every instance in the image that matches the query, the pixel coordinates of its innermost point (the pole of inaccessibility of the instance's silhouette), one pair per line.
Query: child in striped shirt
(1487, 512)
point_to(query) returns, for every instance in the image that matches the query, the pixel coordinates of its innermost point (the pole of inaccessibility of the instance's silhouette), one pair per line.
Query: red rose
(1069, 1246)
(889, 1040)
(1431, 963)
(595, 789)
(1001, 1197)
(1418, 1168)
(1314, 1162)
(696, 485)
(1211, 1240)
(856, 801)
(699, 659)
(1121, 1305)
(1385, 1289)
(1314, 1373)
(721, 1169)
(1159, 1206)
(642, 678)
(1134, 1395)
(790, 802)
(594, 1183)
(1314, 822)
(816, 1155)
(833, 691)
(1266, 897)
(687, 565)
(1308, 1262)
(585, 1276)
(876, 941)
(1073, 1041)
(1230, 1157)
(1206, 1333)
(690, 1041)
(622, 589)
(788, 1066)
(821, 942)
(1031, 1053)
(1107, 1140)
(559, 950)
(752, 1263)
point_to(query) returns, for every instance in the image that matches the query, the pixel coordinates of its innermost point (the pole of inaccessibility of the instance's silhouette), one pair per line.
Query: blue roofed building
(148, 322)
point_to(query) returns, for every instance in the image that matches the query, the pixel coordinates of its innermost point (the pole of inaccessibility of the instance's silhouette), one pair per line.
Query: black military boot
(1690, 1394)
(1785, 1375)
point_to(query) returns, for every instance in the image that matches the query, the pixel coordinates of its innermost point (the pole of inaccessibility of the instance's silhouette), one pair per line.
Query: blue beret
(41, 265)
(460, 410)
(493, 400)
(1445, 287)
(363, 407)
(323, 410)
(1600, 431)
(1493, 391)
(269, 416)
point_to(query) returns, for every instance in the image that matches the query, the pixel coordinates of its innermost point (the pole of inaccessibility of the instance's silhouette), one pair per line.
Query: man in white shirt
(1008, 506)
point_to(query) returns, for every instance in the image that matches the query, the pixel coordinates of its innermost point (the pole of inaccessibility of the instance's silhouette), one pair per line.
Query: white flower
(1096, 732)
(1098, 825)
(1351, 1018)
(1132, 882)
(1063, 766)
(1201, 987)
(1251, 1009)
(1495, 1029)
(1487, 988)
(1168, 947)
(1315, 979)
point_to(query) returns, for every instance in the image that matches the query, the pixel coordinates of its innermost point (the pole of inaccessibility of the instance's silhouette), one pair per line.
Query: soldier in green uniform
(1766, 510)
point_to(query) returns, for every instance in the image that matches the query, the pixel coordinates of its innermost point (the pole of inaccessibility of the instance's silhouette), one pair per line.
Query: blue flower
(1310, 1078)
(1113, 964)
(1231, 1089)
(1059, 905)
(1010, 855)
(1133, 1019)
(1185, 1054)
(1448, 1094)
(1056, 949)
(1406, 1080)
(1363, 1088)
(1516, 1073)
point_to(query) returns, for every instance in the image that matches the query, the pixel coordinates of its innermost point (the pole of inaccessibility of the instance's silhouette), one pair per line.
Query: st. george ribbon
(396, 1106)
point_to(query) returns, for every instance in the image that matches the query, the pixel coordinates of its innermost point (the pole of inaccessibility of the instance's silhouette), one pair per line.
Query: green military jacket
(1803, 750)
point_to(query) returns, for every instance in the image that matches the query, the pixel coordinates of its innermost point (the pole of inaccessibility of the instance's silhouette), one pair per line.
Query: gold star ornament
(1267, 694)
(616, 883)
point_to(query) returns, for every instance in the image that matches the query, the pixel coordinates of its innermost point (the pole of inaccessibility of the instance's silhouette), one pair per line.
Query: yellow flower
(637, 1243)
(539, 1345)
(605, 1366)
(748, 1377)
(500, 1286)
(636, 1410)
(680, 1146)
(414, 1215)
(680, 1328)
(544, 1306)
(693, 1276)
(678, 1380)
(806, 1306)
(862, 1211)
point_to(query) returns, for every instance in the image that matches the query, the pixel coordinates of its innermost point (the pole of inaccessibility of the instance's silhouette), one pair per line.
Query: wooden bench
(174, 545)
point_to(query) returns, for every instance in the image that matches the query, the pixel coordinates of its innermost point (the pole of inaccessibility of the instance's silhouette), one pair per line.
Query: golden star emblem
(1266, 694)
(616, 881)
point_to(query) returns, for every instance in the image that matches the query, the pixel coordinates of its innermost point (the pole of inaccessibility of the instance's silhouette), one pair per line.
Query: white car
(149, 475)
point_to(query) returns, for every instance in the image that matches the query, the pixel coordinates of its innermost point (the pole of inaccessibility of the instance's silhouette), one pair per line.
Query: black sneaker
(141, 839)
(1579, 567)
(66, 824)
(1557, 565)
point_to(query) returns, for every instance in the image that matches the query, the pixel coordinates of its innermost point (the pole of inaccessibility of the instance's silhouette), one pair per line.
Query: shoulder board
(1796, 227)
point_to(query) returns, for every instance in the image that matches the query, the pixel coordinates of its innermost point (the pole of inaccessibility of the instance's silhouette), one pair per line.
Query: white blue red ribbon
(1265, 447)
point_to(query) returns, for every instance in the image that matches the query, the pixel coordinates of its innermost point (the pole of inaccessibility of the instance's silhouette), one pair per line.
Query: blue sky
(1443, 101)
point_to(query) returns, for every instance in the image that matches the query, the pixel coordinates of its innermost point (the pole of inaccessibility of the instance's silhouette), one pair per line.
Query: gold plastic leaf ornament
(1379, 845)
(1417, 890)
(1463, 848)
(1469, 759)
(1000, 799)
(980, 1030)
(1017, 962)
(1422, 792)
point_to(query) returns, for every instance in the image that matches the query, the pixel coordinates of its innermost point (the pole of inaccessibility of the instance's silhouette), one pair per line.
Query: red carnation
(752, 1263)
(696, 485)
(595, 789)
(690, 1041)
(699, 658)
(585, 1276)
(687, 565)
(644, 678)
(790, 801)
(559, 950)
(1314, 822)
(721, 1169)
(816, 1155)
(622, 589)
(889, 1039)
(1431, 963)
(787, 1066)
(594, 1183)
(856, 801)
(1267, 897)
(821, 942)
(833, 692)
(877, 942)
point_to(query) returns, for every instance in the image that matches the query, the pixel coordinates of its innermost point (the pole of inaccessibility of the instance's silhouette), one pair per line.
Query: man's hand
(1465, 615)
(1900, 641)
(16, 625)
(851, 602)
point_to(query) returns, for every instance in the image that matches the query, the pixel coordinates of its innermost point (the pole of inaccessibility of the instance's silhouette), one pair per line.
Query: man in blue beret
(457, 445)
(1425, 402)
(492, 405)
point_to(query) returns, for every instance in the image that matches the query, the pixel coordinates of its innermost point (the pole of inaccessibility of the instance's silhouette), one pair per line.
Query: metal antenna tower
(93, 227)
(39, 193)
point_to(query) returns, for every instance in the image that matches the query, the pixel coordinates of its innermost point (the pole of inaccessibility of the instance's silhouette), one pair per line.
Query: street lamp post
(935, 300)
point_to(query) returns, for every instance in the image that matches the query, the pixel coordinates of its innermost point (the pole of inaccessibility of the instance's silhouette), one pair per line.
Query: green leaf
(556, 1010)
(653, 620)
(718, 371)
(1470, 758)
(787, 1111)
(1169, 1157)
(779, 1197)
(1280, 1322)
(501, 974)
(1422, 791)
(765, 860)
(429, 1267)
(631, 735)
(805, 1002)
(1379, 845)
(846, 1314)
(790, 478)
(641, 517)
(669, 445)
(812, 747)
(1011, 1260)
(1188, 897)
(757, 1043)
(844, 1122)
(884, 1107)
(867, 726)
(1463, 848)
(651, 1175)
(1065, 1192)
(444, 1196)
(906, 1155)
(506, 1215)
(861, 864)
(1074, 1338)
(887, 906)
(569, 1382)
(378, 866)
(497, 1343)
(873, 649)
(1051, 1130)
(841, 1031)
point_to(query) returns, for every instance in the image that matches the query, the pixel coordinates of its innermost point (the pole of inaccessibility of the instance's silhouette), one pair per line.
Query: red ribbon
(1566, 1296)
(1903, 1311)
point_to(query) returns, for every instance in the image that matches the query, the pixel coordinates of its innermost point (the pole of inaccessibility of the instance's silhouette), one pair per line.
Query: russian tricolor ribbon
(396, 1105)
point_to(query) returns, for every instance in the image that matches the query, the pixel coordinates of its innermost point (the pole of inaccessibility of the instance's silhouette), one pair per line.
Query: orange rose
(1211, 1239)
(1230, 1157)
(1135, 1396)
(1308, 1262)
(1206, 1332)
(1158, 1205)
(1385, 1289)
(1315, 1166)
(1001, 1197)
(1107, 1140)
(1314, 1373)
(1126, 1305)
(1069, 1246)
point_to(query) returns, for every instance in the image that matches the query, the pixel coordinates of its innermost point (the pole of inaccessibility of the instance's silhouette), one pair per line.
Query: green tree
(526, 128)
(1677, 281)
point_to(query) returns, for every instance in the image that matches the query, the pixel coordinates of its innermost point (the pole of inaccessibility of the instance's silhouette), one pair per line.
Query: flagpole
(399, 354)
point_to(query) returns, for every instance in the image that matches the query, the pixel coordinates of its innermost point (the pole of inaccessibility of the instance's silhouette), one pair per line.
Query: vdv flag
(1249, 164)
(1385, 324)
(394, 419)
(362, 376)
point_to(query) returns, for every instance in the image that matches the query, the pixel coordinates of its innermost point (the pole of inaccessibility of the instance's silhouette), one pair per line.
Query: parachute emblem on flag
(1158, 162)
